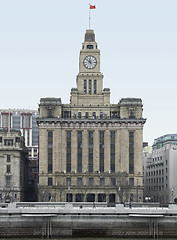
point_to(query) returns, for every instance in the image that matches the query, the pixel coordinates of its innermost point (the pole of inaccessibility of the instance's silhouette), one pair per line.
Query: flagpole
(89, 15)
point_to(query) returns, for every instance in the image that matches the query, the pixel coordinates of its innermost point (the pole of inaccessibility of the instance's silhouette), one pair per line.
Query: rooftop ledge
(92, 120)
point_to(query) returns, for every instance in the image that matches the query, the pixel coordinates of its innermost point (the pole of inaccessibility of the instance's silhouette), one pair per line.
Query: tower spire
(89, 15)
(90, 7)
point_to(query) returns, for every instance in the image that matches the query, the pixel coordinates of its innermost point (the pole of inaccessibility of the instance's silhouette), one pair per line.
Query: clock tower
(90, 79)
(90, 148)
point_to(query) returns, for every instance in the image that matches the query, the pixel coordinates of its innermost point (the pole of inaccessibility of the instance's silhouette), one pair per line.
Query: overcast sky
(40, 42)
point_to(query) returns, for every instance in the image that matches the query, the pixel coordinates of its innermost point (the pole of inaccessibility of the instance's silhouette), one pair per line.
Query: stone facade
(160, 180)
(24, 120)
(14, 167)
(90, 149)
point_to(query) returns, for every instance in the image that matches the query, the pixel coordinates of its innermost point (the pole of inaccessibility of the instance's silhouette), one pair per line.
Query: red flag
(92, 7)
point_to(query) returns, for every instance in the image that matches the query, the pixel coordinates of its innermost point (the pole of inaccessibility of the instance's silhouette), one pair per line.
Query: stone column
(58, 144)
(124, 148)
(96, 197)
(43, 153)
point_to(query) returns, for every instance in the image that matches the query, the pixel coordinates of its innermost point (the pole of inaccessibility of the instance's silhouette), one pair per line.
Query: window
(79, 115)
(101, 115)
(6, 116)
(50, 152)
(8, 181)
(90, 197)
(79, 182)
(90, 87)
(86, 114)
(69, 197)
(131, 114)
(95, 87)
(114, 114)
(26, 120)
(8, 142)
(66, 114)
(90, 182)
(0, 139)
(8, 158)
(68, 182)
(131, 152)
(79, 197)
(112, 151)
(68, 151)
(113, 181)
(50, 181)
(50, 113)
(89, 46)
(28, 137)
(101, 151)
(79, 151)
(8, 168)
(101, 197)
(85, 86)
(90, 151)
(94, 115)
(17, 139)
(131, 181)
(102, 182)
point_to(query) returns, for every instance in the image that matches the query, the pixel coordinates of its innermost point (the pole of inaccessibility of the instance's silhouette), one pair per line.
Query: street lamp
(69, 193)
(137, 190)
(172, 195)
(119, 193)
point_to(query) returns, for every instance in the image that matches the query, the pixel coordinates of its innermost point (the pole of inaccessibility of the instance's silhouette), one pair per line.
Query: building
(90, 150)
(24, 120)
(160, 180)
(14, 167)
(147, 159)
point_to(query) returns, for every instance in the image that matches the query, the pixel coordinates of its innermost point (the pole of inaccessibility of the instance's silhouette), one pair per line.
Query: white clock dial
(90, 62)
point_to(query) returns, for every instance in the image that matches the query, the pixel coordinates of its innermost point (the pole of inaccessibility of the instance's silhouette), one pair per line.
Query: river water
(87, 238)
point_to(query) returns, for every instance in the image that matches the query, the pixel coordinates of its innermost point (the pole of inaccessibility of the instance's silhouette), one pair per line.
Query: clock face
(90, 62)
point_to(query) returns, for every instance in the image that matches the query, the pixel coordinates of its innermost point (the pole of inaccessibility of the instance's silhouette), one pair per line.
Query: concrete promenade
(86, 220)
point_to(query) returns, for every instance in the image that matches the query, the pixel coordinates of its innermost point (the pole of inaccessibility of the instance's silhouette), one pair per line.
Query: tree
(122, 186)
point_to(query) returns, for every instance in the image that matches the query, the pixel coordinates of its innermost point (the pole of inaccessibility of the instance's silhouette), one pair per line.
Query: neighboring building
(24, 120)
(147, 159)
(160, 179)
(14, 167)
(90, 150)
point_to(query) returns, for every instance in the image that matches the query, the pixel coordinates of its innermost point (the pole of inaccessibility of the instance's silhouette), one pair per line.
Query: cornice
(90, 123)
